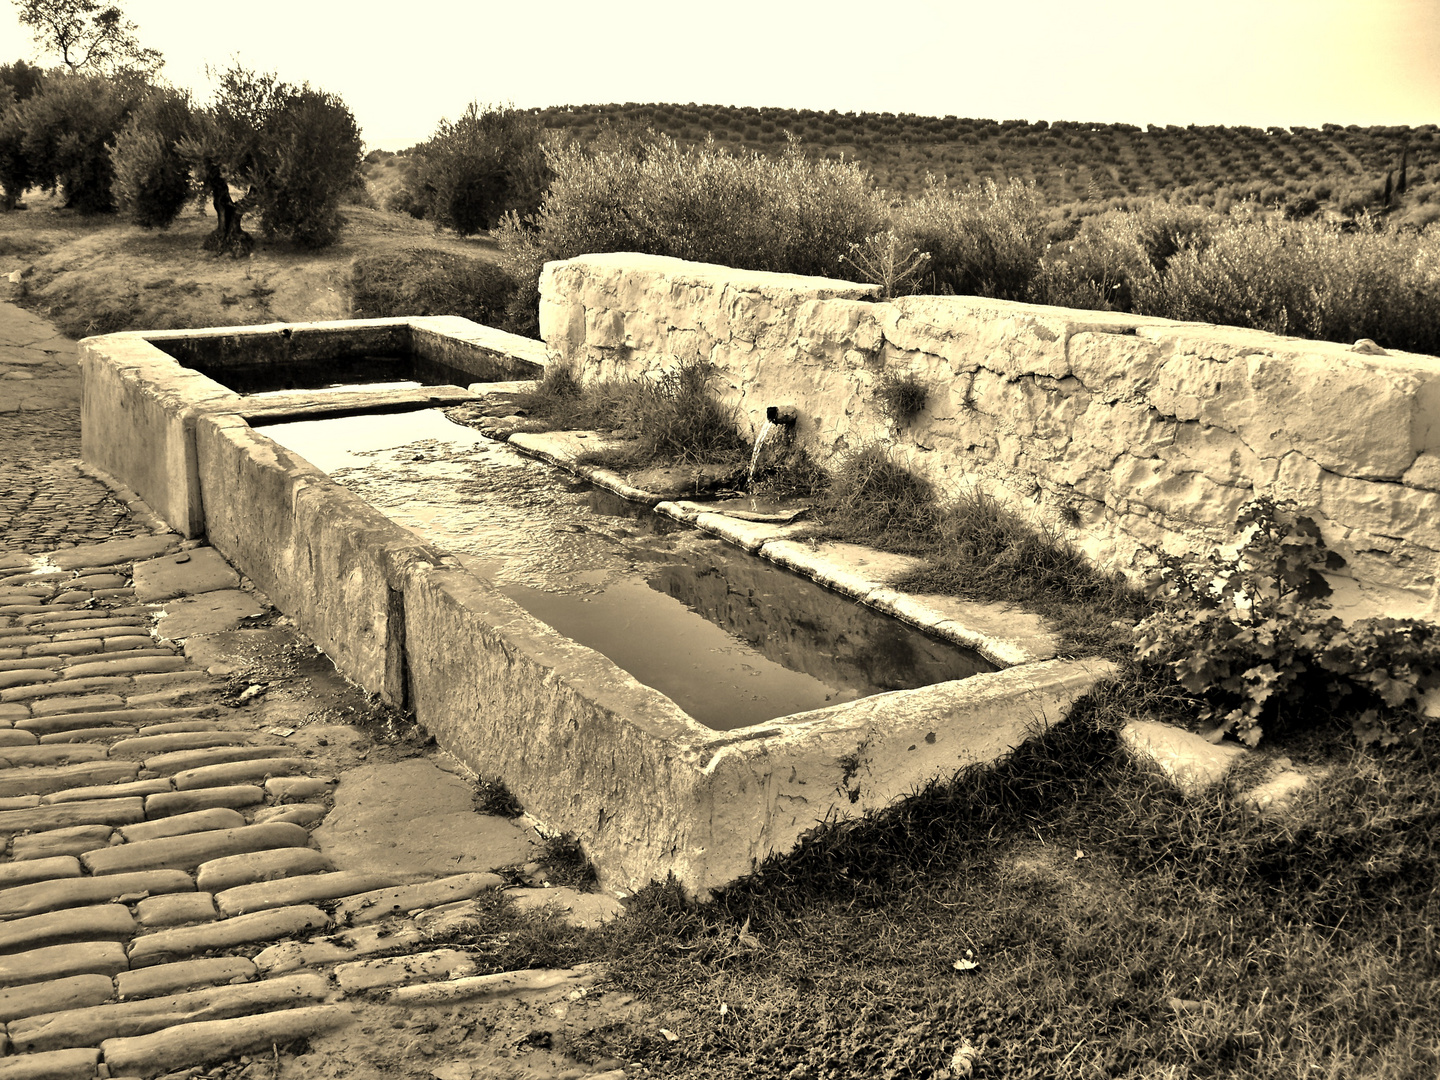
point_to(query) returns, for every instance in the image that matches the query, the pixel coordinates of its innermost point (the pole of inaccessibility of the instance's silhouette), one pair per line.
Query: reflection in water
(793, 622)
(732, 639)
(352, 372)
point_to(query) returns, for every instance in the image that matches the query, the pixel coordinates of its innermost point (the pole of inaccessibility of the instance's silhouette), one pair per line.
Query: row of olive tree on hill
(103, 133)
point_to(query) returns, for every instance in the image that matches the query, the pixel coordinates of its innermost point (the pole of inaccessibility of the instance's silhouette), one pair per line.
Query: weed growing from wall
(901, 397)
(883, 260)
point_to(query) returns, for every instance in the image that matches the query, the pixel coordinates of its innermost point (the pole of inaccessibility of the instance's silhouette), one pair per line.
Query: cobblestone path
(198, 874)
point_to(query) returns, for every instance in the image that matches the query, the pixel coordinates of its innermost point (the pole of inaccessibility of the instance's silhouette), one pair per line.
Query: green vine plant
(1251, 637)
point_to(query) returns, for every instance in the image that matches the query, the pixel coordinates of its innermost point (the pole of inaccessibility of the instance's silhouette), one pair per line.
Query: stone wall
(1133, 435)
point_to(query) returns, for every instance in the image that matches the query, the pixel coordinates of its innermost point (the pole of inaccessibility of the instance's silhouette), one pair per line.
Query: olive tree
(480, 167)
(152, 176)
(293, 151)
(58, 139)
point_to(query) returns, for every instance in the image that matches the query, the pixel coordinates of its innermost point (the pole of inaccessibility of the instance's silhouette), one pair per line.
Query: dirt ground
(95, 275)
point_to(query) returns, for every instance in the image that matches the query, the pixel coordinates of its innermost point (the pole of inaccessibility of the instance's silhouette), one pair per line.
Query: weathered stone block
(217, 1040)
(180, 942)
(129, 1018)
(189, 851)
(1392, 510)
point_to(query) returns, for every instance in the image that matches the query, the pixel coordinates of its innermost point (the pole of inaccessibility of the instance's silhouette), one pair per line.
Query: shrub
(404, 201)
(1247, 634)
(790, 213)
(1098, 268)
(1310, 279)
(424, 281)
(67, 127)
(310, 154)
(475, 170)
(983, 241)
(1165, 229)
(152, 178)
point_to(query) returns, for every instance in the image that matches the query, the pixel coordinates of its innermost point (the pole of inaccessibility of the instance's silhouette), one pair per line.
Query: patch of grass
(23, 245)
(673, 417)
(503, 939)
(1106, 928)
(873, 498)
(565, 863)
(791, 473)
(678, 417)
(493, 797)
(978, 549)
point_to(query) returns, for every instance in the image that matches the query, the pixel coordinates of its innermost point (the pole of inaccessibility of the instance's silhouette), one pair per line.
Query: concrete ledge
(492, 355)
(314, 403)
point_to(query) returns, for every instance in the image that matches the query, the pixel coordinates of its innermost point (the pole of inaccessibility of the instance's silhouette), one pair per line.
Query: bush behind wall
(790, 214)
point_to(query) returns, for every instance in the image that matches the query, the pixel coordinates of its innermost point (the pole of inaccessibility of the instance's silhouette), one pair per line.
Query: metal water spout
(776, 417)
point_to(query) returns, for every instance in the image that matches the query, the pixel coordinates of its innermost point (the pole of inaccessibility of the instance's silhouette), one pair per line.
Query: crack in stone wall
(1153, 432)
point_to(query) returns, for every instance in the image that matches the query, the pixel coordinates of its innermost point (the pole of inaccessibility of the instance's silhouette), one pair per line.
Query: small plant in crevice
(1250, 636)
(493, 797)
(1070, 516)
(565, 863)
(902, 397)
(850, 766)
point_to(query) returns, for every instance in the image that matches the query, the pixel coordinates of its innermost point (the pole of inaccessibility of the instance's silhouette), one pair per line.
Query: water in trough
(732, 639)
(360, 371)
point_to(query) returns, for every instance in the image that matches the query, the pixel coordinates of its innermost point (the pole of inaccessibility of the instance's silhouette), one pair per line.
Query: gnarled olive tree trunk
(228, 238)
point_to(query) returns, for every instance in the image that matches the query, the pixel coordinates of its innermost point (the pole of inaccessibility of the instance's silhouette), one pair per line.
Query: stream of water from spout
(755, 456)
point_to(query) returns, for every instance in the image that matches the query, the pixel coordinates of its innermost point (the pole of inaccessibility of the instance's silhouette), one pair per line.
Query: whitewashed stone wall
(1151, 434)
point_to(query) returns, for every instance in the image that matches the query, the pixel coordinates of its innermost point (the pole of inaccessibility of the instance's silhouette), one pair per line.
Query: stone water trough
(586, 748)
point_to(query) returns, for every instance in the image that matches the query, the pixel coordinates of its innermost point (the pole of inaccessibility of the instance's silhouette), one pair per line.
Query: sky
(401, 67)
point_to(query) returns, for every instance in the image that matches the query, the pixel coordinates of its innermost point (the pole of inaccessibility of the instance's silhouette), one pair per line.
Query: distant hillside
(1070, 162)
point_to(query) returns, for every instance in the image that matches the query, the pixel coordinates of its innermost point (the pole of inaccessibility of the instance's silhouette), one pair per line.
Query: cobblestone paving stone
(164, 907)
